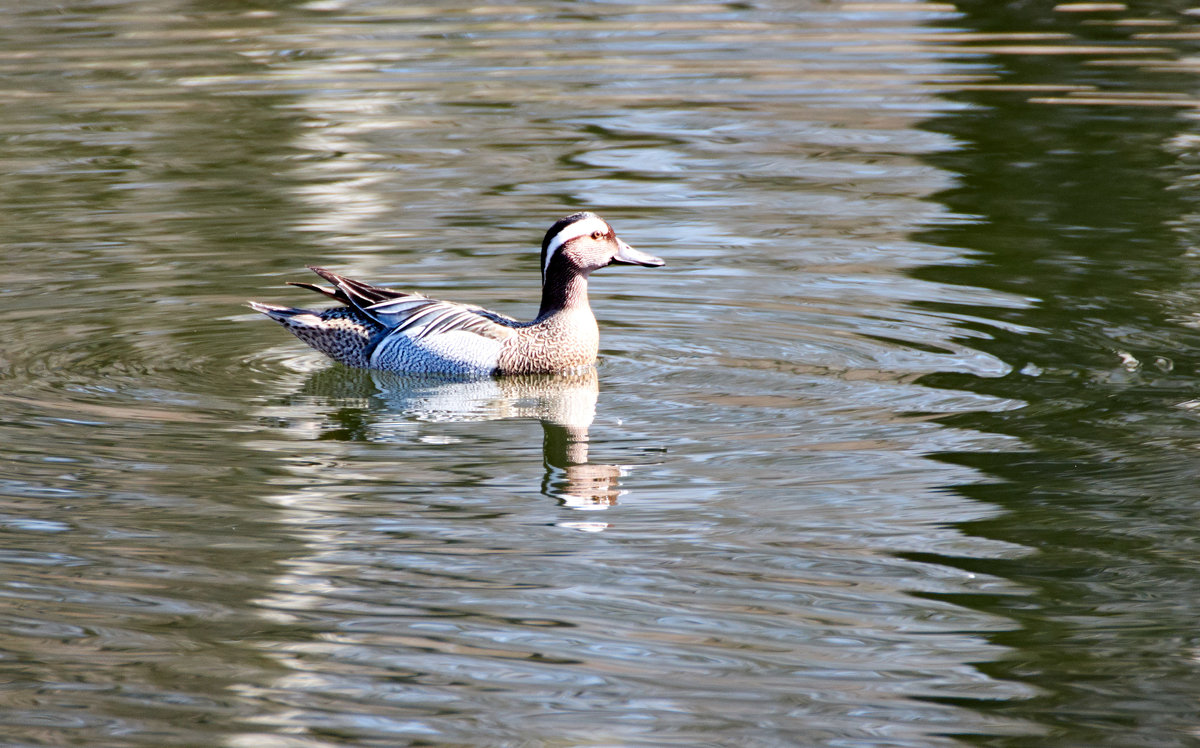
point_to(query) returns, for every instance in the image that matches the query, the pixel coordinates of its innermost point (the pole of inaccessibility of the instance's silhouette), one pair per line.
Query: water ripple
(214, 536)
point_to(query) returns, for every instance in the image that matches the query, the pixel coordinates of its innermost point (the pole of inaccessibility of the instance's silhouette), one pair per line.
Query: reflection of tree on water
(565, 404)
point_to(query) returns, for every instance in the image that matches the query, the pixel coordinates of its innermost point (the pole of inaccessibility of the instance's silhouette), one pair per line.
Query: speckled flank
(456, 352)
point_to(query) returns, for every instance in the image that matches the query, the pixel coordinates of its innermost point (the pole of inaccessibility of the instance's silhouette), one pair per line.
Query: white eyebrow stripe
(574, 231)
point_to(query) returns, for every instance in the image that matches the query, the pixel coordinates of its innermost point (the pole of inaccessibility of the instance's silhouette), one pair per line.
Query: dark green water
(901, 449)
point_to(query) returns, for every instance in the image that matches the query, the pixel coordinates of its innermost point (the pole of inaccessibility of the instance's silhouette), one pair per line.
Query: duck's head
(583, 242)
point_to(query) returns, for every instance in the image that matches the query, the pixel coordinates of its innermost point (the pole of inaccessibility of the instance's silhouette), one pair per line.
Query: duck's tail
(345, 333)
(342, 333)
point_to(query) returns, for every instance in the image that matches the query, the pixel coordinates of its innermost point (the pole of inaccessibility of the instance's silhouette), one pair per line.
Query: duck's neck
(563, 292)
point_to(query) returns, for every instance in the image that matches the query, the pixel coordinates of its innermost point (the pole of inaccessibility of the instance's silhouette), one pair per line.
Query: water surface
(897, 451)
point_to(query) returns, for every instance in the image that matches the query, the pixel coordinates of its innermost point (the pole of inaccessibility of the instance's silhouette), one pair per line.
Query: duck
(410, 333)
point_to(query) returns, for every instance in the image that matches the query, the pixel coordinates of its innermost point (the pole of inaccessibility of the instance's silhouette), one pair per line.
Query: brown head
(583, 242)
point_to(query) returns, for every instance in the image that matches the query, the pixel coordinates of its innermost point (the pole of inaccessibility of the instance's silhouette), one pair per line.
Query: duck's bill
(627, 255)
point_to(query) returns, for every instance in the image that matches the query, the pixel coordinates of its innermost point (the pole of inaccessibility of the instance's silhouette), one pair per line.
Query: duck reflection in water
(564, 403)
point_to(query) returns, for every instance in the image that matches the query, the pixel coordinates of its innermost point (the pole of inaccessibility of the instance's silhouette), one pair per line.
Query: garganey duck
(381, 328)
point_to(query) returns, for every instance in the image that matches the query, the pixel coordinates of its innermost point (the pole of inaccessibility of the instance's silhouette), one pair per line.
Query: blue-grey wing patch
(419, 317)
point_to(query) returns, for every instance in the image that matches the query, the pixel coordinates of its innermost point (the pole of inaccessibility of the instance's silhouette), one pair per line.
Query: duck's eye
(597, 235)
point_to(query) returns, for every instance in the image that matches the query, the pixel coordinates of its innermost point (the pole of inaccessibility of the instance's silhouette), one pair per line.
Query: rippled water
(899, 450)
